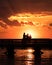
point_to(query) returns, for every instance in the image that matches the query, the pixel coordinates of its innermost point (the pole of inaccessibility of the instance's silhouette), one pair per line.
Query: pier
(18, 43)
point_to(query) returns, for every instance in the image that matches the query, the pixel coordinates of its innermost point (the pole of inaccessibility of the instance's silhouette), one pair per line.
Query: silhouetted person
(24, 36)
(26, 39)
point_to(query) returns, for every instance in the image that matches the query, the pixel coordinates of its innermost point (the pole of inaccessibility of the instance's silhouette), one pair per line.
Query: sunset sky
(30, 16)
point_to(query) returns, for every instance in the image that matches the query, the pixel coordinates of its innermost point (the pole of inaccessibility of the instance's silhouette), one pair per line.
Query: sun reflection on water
(30, 50)
(30, 56)
(25, 54)
(29, 63)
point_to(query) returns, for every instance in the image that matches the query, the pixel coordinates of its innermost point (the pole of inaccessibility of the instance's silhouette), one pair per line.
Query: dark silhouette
(26, 42)
(10, 51)
(26, 39)
(37, 54)
(37, 44)
(26, 36)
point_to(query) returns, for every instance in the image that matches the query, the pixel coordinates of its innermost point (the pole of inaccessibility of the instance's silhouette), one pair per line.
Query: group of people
(26, 36)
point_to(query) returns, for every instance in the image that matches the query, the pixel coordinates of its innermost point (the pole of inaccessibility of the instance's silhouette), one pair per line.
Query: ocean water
(26, 57)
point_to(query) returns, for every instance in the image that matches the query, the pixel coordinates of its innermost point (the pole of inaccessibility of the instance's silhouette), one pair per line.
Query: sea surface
(25, 57)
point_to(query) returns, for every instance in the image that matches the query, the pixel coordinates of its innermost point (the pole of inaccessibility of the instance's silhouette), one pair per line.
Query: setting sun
(31, 33)
(25, 32)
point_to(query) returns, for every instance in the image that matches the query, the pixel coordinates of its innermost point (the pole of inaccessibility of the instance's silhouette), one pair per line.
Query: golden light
(30, 56)
(31, 33)
(26, 17)
(30, 50)
(23, 17)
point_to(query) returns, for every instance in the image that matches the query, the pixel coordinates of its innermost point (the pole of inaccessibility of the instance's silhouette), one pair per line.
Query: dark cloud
(5, 9)
(30, 23)
(12, 23)
(31, 5)
(8, 7)
(9, 23)
(15, 23)
(11, 7)
(27, 23)
(3, 25)
(50, 24)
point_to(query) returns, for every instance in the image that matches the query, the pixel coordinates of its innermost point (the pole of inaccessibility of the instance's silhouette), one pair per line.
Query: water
(25, 57)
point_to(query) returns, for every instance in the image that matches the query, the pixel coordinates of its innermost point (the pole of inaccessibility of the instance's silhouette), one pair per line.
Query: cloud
(3, 25)
(11, 23)
(15, 23)
(11, 7)
(5, 9)
(31, 5)
(4, 22)
(8, 7)
(27, 23)
(50, 24)
(30, 23)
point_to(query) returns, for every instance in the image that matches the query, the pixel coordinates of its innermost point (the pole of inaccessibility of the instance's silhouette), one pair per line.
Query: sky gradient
(30, 16)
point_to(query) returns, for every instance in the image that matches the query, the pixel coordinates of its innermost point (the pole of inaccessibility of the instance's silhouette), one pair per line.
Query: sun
(31, 33)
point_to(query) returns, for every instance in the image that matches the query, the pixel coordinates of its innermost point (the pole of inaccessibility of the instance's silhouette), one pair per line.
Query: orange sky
(38, 25)
(29, 16)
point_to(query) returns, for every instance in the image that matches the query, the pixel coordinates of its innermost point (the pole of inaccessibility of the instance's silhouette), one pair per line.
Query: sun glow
(31, 33)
